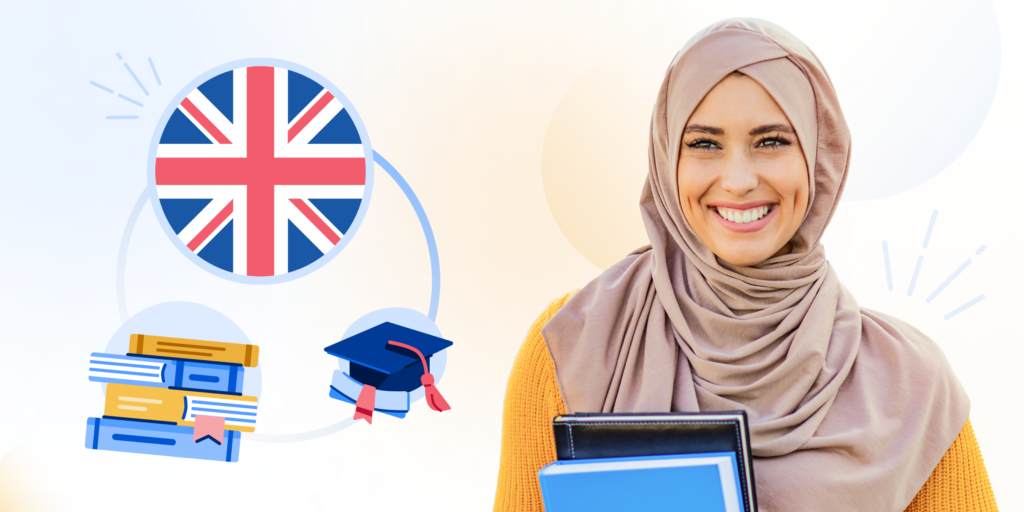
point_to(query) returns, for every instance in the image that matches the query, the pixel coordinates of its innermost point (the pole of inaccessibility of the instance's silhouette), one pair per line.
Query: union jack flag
(260, 171)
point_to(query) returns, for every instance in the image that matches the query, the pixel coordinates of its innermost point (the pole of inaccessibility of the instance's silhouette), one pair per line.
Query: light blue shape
(960, 309)
(111, 91)
(931, 225)
(129, 100)
(947, 281)
(118, 56)
(956, 107)
(185, 320)
(913, 279)
(980, 250)
(231, 276)
(604, 486)
(130, 72)
(153, 67)
(122, 117)
(435, 266)
(888, 268)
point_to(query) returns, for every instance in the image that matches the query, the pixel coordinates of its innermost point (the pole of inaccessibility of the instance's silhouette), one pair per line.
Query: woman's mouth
(744, 218)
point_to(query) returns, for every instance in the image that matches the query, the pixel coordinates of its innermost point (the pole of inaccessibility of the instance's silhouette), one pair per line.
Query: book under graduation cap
(166, 373)
(200, 350)
(644, 461)
(389, 360)
(180, 407)
(157, 438)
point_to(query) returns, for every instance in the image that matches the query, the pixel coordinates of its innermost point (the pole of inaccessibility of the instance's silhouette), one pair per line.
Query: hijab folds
(850, 409)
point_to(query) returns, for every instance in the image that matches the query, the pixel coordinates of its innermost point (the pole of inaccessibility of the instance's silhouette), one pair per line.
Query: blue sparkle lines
(111, 91)
(118, 56)
(931, 225)
(980, 250)
(153, 67)
(888, 269)
(132, 73)
(913, 279)
(129, 100)
(960, 309)
(948, 280)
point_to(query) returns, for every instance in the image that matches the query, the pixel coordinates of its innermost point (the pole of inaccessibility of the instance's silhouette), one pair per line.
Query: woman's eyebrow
(711, 130)
(768, 128)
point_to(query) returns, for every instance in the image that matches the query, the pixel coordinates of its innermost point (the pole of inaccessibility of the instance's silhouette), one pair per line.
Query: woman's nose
(738, 176)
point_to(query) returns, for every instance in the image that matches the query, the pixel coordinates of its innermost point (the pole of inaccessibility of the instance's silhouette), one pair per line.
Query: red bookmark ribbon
(209, 427)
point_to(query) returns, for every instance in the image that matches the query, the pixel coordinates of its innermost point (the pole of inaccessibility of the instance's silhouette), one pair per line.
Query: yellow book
(180, 406)
(202, 350)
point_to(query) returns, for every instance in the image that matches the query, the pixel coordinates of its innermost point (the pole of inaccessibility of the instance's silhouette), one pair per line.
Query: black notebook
(604, 435)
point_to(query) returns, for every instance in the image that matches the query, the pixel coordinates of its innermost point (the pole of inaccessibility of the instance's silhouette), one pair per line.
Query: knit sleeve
(959, 483)
(527, 442)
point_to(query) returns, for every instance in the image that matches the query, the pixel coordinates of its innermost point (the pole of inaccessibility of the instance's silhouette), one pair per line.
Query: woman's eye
(772, 142)
(703, 145)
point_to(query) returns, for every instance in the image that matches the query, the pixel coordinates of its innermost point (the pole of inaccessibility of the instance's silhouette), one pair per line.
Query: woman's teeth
(743, 216)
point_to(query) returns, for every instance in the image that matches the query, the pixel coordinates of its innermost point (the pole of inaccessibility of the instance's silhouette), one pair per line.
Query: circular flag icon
(260, 171)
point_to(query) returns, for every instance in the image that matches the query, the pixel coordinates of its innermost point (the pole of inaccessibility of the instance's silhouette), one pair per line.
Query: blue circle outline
(162, 218)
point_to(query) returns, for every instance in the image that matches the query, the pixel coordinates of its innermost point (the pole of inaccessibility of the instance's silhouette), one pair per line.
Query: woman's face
(742, 174)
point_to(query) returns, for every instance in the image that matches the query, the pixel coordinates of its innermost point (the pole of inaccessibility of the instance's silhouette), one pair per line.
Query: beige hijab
(850, 409)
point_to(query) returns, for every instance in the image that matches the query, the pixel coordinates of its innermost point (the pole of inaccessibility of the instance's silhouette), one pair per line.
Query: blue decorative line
(122, 117)
(111, 91)
(118, 56)
(203, 378)
(931, 224)
(980, 250)
(129, 100)
(888, 269)
(960, 309)
(948, 280)
(124, 373)
(435, 267)
(145, 366)
(913, 279)
(130, 72)
(228, 411)
(143, 439)
(201, 402)
(155, 75)
(228, 418)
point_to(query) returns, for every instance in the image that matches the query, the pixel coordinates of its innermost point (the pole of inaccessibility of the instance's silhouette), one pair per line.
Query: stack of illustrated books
(174, 396)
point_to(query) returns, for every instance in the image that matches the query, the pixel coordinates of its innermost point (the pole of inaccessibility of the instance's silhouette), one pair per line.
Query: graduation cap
(391, 359)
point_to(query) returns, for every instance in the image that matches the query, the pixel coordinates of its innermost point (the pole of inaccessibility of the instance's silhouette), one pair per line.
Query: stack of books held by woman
(656, 461)
(174, 396)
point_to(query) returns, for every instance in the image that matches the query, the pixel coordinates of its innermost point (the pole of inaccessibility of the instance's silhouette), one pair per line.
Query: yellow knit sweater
(958, 484)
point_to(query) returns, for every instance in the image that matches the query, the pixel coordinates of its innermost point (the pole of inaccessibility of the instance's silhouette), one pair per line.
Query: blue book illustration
(706, 482)
(166, 373)
(157, 438)
(346, 389)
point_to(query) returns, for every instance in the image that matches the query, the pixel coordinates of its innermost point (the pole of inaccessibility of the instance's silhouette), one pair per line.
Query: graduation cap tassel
(433, 395)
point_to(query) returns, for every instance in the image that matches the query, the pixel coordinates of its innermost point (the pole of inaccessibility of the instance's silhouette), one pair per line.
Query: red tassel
(433, 396)
(365, 404)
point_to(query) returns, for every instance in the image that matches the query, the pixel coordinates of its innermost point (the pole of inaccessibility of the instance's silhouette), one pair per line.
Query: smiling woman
(742, 175)
(734, 306)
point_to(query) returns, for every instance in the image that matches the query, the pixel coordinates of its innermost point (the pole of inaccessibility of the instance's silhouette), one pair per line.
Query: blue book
(166, 373)
(158, 438)
(706, 482)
